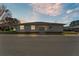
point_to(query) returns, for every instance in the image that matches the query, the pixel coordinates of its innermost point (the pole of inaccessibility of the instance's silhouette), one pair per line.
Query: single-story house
(72, 28)
(75, 28)
(39, 27)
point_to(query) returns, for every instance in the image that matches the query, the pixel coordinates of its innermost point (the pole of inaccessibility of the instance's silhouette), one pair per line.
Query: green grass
(70, 33)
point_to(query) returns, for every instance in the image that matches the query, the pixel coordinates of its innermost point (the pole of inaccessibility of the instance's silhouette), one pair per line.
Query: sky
(45, 12)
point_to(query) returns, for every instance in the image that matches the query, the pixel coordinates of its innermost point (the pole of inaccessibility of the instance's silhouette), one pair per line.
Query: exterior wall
(44, 28)
(17, 28)
(74, 28)
(39, 28)
(34, 28)
(22, 28)
(55, 28)
(27, 28)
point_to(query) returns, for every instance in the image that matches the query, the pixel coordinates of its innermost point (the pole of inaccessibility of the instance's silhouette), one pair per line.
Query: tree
(4, 12)
(6, 20)
(8, 23)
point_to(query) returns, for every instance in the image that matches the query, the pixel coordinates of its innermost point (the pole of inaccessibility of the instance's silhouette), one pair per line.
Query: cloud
(22, 20)
(51, 9)
(69, 11)
(72, 10)
(31, 19)
(34, 17)
(72, 15)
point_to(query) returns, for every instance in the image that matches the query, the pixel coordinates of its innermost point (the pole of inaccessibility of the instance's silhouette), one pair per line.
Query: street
(38, 45)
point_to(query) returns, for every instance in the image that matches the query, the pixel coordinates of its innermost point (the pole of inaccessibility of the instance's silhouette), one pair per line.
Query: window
(41, 28)
(50, 27)
(32, 27)
(21, 27)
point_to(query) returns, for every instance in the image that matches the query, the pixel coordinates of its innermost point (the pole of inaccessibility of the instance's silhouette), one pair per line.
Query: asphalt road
(38, 45)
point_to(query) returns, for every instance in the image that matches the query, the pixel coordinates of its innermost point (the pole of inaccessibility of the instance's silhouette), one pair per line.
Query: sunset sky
(45, 12)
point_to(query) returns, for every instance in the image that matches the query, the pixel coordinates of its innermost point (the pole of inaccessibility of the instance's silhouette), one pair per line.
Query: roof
(41, 23)
(35, 23)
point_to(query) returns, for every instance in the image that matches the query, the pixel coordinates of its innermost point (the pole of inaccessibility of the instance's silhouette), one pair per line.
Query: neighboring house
(74, 26)
(39, 27)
